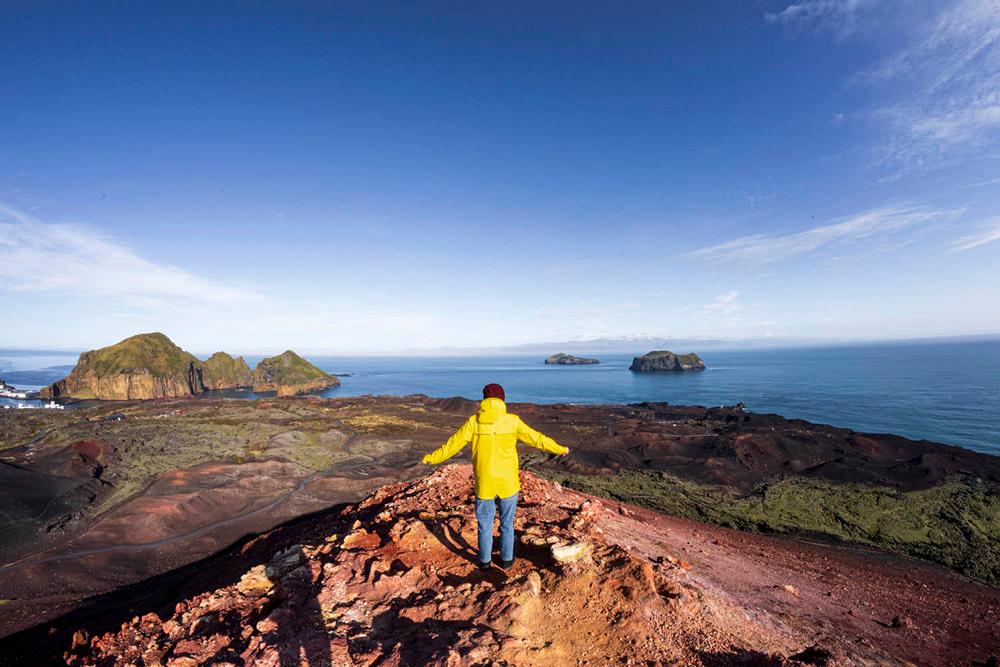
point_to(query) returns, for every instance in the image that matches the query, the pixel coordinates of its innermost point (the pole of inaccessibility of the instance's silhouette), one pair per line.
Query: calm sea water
(946, 392)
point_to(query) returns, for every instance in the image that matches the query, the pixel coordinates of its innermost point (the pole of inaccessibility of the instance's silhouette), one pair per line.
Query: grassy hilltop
(152, 352)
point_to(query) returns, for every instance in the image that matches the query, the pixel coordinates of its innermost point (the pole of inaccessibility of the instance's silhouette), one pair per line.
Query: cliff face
(562, 359)
(664, 360)
(221, 371)
(288, 374)
(141, 367)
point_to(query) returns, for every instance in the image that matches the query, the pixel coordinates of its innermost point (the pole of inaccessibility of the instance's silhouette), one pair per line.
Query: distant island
(665, 360)
(562, 359)
(289, 374)
(150, 365)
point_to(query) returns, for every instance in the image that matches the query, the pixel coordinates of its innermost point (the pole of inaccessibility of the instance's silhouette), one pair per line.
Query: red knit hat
(493, 391)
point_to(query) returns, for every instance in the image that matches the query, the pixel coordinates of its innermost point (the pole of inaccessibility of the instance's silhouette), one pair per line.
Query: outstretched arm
(455, 443)
(543, 442)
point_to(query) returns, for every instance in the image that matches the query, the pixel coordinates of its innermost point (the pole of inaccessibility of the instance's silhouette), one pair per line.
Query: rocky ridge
(394, 583)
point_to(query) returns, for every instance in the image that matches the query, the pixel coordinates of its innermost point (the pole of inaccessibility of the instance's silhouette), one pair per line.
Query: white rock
(568, 553)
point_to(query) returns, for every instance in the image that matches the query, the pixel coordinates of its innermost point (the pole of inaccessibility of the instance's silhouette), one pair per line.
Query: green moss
(956, 523)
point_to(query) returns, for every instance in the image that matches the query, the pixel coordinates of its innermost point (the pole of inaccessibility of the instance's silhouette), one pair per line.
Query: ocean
(945, 392)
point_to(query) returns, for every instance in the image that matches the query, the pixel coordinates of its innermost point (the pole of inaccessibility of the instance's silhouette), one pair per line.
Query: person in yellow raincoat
(494, 433)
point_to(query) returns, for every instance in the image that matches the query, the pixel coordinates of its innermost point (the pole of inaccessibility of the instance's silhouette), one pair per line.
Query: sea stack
(665, 360)
(562, 359)
(288, 374)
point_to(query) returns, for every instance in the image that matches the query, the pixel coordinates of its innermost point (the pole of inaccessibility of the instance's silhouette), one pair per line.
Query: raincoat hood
(491, 410)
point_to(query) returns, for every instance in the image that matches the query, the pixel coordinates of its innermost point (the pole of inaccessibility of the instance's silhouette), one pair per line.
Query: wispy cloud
(840, 233)
(79, 261)
(948, 75)
(842, 17)
(938, 92)
(130, 292)
(726, 303)
(988, 231)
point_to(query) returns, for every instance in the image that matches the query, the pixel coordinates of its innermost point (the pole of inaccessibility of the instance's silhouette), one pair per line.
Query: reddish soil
(391, 581)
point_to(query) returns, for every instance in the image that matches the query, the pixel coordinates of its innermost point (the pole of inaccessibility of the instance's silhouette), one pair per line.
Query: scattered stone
(814, 655)
(256, 581)
(568, 553)
(533, 583)
(79, 639)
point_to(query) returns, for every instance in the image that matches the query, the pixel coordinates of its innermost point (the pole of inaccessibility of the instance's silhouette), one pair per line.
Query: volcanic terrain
(104, 521)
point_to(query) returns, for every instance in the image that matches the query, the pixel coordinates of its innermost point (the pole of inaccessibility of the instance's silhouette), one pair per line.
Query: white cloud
(127, 292)
(938, 92)
(948, 78)
(80, 261)
(843, 232)
(725, 303)
(842, 17)
(988, 232)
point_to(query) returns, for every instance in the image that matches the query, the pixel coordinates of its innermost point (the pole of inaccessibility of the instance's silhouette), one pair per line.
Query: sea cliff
(140, 367)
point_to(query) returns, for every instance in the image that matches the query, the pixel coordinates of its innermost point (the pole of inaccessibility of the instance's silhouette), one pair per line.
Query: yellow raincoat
(494, 433)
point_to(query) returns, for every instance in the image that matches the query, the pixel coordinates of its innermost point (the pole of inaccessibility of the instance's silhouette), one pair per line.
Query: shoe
(507, 564)
(484, 566)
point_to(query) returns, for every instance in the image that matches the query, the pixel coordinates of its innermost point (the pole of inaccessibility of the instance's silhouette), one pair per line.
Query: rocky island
(665, 360)
(221, 371)
(150, 365)
(562, 359)
(140, 367)
(289, 375)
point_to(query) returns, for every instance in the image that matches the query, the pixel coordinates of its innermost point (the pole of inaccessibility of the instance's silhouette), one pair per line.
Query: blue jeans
(485, 511)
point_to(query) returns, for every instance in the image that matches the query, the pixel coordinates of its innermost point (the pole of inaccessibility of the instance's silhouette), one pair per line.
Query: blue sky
(371, 177)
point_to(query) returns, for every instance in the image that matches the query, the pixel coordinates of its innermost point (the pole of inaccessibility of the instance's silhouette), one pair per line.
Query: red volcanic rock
(393, 581)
